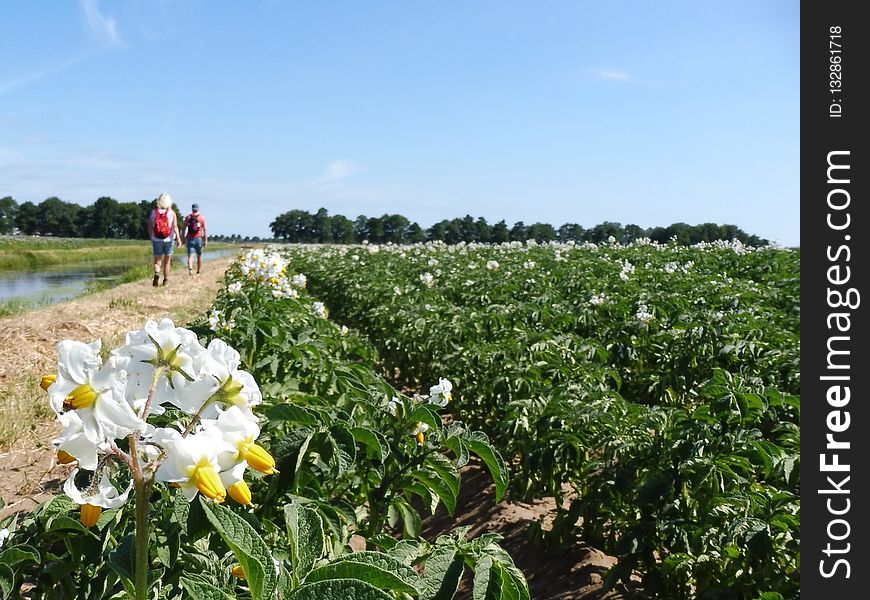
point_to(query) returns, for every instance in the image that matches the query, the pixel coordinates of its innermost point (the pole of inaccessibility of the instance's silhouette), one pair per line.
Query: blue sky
(560, 111)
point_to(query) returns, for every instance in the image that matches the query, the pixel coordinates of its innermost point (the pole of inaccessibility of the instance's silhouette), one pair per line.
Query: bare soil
(574, 573)
(28, 474)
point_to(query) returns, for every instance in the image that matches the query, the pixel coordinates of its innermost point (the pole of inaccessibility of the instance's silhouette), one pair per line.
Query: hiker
(163, 231)
(195, 234)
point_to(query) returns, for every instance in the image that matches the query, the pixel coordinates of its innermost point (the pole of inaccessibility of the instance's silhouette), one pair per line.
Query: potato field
(334, 394)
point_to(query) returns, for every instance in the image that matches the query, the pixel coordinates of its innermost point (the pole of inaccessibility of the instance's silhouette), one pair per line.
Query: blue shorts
(162, 248)
(194, 245)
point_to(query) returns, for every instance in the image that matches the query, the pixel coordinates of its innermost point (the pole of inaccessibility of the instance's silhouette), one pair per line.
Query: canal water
(61, 282)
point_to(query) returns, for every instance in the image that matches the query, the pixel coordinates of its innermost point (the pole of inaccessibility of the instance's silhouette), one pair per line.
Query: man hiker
(195, 234)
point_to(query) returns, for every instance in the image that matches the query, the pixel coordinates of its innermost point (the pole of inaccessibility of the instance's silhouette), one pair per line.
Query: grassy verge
(18, 253)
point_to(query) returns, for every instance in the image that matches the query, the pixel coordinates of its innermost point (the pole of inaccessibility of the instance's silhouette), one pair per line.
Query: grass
(23, 410)
(16, 306)
(18, 253)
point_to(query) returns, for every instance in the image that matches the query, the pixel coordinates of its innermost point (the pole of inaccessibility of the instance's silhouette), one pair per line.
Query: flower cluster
(104, 404)
(269, 268)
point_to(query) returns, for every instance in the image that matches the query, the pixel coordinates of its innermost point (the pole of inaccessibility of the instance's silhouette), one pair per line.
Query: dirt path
(28, 344)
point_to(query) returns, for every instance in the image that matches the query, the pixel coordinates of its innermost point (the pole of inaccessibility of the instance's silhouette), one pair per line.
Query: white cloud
(335, 171)
(105, 28)
(610, 74)
(339, 169)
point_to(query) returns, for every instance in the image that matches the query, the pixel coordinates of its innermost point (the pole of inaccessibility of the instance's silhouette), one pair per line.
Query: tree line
(105, 218)
(109, 218)
(304, 227)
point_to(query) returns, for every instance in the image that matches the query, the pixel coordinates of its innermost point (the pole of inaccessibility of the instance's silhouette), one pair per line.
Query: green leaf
(479, 444)
(190, 517)
(293, 414)
(381, 570)
(448, 472)
(121, 559)
(7, 581)
(443, 572)
(373, 440)
(345, 447)
(487, 584)
(339, 589)
(200, 590)
(424, 414)
(247, 545)
(433, 481)
(410, 519)
(307, 540)
(19, 554)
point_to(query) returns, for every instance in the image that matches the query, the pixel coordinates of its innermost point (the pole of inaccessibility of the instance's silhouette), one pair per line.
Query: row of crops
(651, 388)
(238, 456)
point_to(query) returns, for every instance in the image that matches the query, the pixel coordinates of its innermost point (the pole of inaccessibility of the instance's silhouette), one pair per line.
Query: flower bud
(209, 483)
(258, 458)
(64, 457)
(81, 397)
(46, 381)
(90, 514)
(238, 572)
(240, 492)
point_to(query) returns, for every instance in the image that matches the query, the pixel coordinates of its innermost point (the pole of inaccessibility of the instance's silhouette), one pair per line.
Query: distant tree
(600, 233)
(416, 234)
(27, 218)
(519, 232)
(321, 227)
(375, 229)
(101, 220)
(541, 232)
(484, 230)
(295, 226)
(632, 232)
(438, 231)
(361, 228)
(500, 233)
(467, 229)
(453, 233)
(396, 228)
(8, 212)
(342, 230)
(59, 218)
(570, 232)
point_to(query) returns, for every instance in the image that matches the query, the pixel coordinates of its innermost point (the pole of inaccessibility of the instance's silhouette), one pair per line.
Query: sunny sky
(644, 112)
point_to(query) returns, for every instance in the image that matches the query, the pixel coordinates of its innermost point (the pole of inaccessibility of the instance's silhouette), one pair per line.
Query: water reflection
(56, 283)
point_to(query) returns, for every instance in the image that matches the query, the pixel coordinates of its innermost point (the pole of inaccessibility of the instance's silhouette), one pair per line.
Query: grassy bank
(126, 261)
(18, 253)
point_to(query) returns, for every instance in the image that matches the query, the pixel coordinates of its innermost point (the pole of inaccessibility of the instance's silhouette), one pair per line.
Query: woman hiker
(163, 231)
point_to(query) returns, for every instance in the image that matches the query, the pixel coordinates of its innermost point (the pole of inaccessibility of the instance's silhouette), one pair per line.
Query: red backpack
(161, 224)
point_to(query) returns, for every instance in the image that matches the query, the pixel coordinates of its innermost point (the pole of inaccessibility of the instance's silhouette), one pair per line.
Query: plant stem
(142, 485)
(140, 575)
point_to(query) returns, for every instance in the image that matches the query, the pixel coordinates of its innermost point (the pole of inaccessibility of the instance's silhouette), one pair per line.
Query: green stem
(142, 481)
(140, 575)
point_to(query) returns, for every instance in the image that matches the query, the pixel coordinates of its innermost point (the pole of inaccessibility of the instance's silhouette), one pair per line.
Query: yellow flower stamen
(258, 457)
(238, 572)
(90, 514)
(46, 381)
(81, 397)
(240, 492)
(420, 438)
(64, 457)
(205, 478)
